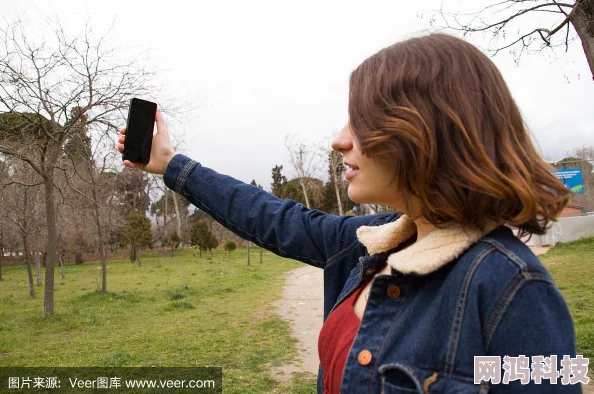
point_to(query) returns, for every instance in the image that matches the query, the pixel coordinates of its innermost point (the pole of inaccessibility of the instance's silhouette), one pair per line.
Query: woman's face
(371, 180)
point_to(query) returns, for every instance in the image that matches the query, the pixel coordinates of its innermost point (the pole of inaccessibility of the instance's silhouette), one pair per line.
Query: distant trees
(253, 183)
(230, 246)
(164, 207)
(21, 207)
(335, 172)
(49, 86)
(303, 158)
(172, 242)
(203, 238)
(306, 188)
(278, 181)
(137, 234)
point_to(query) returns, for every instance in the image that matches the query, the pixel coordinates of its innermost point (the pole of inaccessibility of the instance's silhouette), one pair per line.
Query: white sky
(260, 70)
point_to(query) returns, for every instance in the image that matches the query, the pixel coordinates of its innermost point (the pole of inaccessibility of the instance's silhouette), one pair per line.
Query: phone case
(139, 131)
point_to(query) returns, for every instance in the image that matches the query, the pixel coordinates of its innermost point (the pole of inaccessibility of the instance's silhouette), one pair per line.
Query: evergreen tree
(278, 181)
(212, 243)
(137, 234)
(202, 237)
(253, 183)
(230, 246)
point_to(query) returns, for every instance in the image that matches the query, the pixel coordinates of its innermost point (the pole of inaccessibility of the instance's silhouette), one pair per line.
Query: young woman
(411, 298)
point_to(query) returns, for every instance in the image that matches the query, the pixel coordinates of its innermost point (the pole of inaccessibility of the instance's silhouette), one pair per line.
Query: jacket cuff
(177, 172)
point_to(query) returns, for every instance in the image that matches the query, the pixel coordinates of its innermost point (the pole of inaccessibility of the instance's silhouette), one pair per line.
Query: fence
(565, 230)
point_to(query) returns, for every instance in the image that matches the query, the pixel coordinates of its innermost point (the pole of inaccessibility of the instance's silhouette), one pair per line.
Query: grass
(572, 267)
(171, 311)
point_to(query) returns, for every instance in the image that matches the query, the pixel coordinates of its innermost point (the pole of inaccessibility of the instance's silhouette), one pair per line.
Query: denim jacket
(453, 295)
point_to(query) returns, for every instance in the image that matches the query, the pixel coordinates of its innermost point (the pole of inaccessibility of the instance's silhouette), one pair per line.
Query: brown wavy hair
(439, 109)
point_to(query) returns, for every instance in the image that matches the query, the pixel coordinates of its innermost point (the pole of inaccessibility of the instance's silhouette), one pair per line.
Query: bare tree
(41, 82)
(90, 175)
(304, 161)
(335, 172)
(512, 25)
(177, 217)
(20, 204)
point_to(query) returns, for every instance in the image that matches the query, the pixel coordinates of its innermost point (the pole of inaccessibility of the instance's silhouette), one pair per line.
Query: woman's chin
(355, 197)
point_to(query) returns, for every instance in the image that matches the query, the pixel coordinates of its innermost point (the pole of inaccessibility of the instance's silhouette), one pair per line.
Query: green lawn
(180, 311)
(572, 267)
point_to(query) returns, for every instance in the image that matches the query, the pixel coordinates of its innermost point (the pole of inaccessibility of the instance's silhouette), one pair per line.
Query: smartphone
(139, 131)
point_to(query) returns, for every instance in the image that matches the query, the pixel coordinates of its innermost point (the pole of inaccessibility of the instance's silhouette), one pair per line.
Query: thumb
(161, 126)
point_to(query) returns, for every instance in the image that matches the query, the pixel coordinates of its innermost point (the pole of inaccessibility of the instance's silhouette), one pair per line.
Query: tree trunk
(29, 270)
(37, 260)
(102, 252)
(138, 255)
(583, 23)
(304, 190)
(248, 252)
(158, 227)
(177, 217)
(133, 252)
(1, 250)
(50, 214)
(337, 189)
(61, 261)
(165, 214)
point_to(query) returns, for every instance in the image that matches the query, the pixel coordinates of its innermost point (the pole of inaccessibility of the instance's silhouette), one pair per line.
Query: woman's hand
(161, 151)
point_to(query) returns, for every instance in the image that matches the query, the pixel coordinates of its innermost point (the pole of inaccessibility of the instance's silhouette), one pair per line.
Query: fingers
(123, 131)
(129, 164)
(121, 140)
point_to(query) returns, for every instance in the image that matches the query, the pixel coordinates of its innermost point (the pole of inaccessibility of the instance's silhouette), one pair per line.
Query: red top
(340, 329)
(336, 337)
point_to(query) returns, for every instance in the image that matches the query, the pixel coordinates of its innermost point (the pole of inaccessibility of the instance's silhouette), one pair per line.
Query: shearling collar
(423, 257)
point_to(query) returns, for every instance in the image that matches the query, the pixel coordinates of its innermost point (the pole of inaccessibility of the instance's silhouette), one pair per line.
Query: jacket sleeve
(536, 322)
(284, 227)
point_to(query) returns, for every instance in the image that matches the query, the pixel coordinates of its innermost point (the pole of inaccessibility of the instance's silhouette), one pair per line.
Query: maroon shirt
(336, 337)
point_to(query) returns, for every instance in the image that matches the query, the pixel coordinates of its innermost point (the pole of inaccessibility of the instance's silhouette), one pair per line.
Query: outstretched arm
(284, 227)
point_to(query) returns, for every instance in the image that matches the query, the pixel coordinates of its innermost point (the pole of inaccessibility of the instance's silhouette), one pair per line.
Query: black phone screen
(139, 131)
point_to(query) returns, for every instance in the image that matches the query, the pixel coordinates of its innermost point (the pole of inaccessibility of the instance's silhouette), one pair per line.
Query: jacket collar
(423, 257)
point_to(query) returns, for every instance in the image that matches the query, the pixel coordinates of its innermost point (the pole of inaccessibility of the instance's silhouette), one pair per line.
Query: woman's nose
(343, 140)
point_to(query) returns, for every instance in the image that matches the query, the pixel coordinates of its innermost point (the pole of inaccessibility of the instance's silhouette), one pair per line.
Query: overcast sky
(259, 70)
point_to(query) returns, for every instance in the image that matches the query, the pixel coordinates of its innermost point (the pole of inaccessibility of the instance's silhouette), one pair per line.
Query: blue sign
(572, 178)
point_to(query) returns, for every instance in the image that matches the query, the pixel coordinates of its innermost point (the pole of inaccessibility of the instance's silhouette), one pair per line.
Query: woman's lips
(351, 173)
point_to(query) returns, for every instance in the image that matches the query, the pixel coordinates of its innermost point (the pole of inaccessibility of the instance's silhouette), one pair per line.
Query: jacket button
(369, 271)
(364, 357)
(393, 291)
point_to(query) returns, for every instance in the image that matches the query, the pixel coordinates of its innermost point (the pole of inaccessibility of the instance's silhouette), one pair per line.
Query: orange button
(364, 357)
(393, 291)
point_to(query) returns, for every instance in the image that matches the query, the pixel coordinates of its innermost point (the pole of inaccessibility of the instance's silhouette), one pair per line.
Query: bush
(230, 246)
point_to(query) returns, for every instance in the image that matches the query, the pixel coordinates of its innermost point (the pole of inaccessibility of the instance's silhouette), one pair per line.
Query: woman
(410, 299)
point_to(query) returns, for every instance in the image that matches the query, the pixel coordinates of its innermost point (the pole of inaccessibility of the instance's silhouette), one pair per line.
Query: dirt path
(302, 305)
